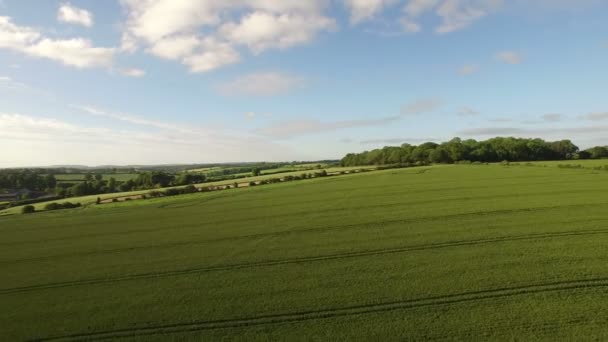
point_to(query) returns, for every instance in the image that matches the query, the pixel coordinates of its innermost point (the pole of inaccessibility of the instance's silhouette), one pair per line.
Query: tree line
(487, 151)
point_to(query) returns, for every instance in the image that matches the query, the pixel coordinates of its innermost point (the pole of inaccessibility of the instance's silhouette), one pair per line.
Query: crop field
(460, 252)
(583, 163)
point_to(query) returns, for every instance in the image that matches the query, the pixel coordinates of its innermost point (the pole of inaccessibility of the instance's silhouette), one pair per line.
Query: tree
(255, 172)
(88, 177)
(112, 184)
(50, 181)
(98, 177)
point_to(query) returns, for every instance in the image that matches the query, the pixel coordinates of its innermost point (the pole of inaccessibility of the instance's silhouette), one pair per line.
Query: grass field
(582, 163)
(459, 252)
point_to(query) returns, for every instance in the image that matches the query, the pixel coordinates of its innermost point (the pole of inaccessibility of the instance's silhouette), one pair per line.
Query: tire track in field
(259, 236)
(386, 191)
(297, 260)
(300, 316)
(381, 195)
(249, 219)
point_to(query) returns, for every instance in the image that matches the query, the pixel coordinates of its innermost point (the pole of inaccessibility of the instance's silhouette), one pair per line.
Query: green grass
(582, 163)
(449, 252)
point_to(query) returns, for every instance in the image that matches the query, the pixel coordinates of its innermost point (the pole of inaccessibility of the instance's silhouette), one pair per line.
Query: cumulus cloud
(76, 52)
(509, 57)
(361, 10)
(468, 69)
(261, 31)
(204, 35)
(421, 106)
(262, 84)
(294, 128)
(74, 15)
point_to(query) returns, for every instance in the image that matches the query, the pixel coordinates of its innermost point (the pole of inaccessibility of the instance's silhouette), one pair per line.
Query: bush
(28, 209)
(114, 200)
(252, 183)
(52, 206)
(64, 205)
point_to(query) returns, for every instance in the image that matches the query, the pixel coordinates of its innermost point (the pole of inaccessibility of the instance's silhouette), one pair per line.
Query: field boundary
(294, 317)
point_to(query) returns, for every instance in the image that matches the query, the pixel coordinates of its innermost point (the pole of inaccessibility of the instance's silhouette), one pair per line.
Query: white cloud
(509, 57)
(458, 14)
(421, 106)
(455, 14)
(132, 72)
(213, 55)
(361, 10)
(77, 52)
(250, 115)
(261, 30)
(468, 69)
(262, 84)
(74, 15)
(204, 34)
(175, 47)
(5, 79)
(16, 37)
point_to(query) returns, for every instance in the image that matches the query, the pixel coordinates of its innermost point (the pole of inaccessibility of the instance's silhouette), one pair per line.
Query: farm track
(206, 241)
(347, 255)
(301, 316)
(329, 210)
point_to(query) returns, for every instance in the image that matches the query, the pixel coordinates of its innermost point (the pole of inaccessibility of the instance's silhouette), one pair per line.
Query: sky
(128, 82)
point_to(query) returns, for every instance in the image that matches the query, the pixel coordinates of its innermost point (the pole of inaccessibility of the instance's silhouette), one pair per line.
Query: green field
(458, 252)
(583, 163)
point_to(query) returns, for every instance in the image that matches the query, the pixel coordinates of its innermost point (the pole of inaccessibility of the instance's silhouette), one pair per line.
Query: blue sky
(189, 81)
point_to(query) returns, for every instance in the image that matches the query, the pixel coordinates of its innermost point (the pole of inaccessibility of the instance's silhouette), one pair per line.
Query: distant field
(91, 199)
(583, 163)
(460, 252)
(121, 177)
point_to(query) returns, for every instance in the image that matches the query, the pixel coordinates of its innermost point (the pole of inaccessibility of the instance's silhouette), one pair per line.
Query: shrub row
(58, 206)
